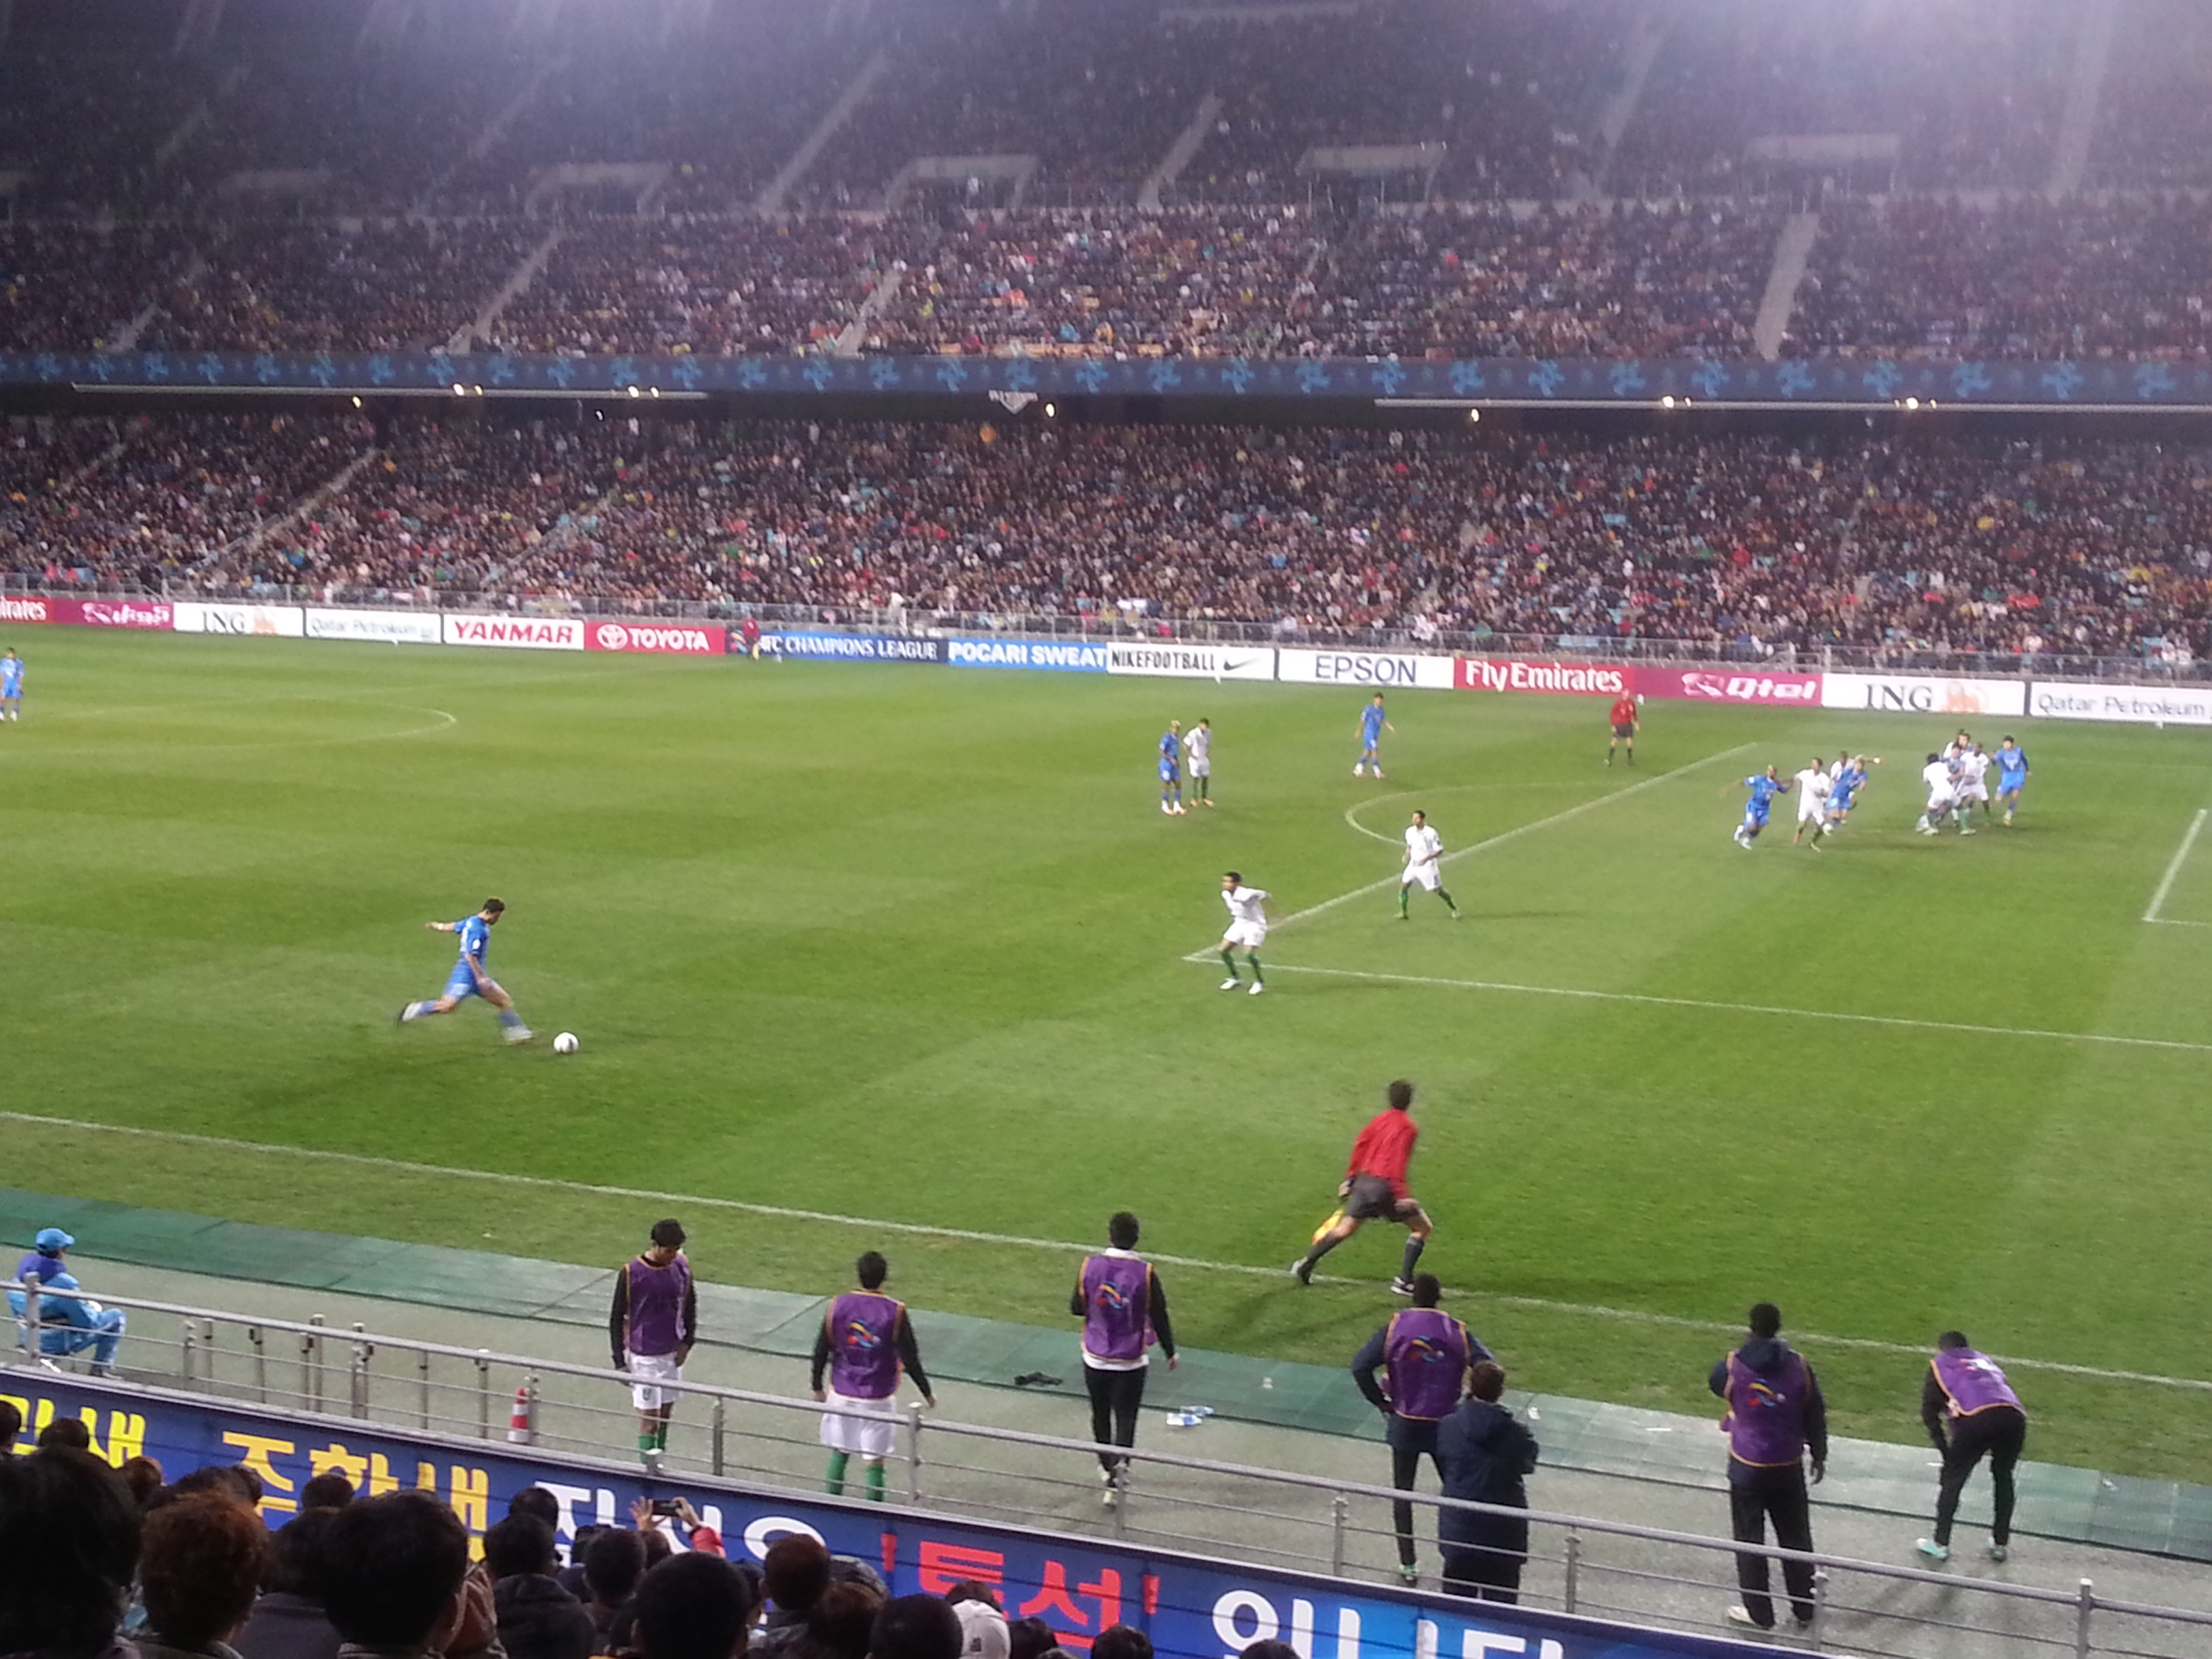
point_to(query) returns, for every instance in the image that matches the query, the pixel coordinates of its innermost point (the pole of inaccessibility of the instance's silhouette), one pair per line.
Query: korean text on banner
(2141, 705)
(1056, 656)
(681, 638)
(519, 633)
(1193, 662)
(1512, 674)
(1371, 671)
(268, 621)
(393, 626)
(1921, 694)
(1729, 685)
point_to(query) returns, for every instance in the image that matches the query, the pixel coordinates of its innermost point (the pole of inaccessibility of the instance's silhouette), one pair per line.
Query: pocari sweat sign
(1056, 656)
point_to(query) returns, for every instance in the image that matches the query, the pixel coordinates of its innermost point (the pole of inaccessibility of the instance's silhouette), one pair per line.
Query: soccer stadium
(1026, 829)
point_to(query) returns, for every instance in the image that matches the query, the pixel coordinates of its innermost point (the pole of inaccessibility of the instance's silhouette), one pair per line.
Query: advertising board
(1193, 662)
(2140, 705)
(1054, 656)
(516, 632)
(853, 648)
(389, 627)
(268, 621)
(1370, 671)
(1513, 674)
(1922, 694)
(685, 639)
(1729, 685)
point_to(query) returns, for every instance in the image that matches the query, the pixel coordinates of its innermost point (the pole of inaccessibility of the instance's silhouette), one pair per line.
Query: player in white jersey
(1811, 802)
(1248, 928)
(1198, 743)
(1423, 863)
(1973, 766)
(1941, 795)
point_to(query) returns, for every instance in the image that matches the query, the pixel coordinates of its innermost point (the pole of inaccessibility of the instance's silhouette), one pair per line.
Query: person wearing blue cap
(67, 1324)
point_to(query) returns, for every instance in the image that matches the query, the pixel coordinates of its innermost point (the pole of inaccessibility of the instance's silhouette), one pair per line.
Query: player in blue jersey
(1763, 787)
(2012, 775)
(1372, 725)
(1850, 777)
(1171, 767)
(11, 685)
(468, 978)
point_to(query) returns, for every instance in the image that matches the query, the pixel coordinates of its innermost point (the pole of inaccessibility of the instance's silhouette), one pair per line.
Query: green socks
(1230, 963)
(836, 1482)
(875, 1483)
(1254, 961)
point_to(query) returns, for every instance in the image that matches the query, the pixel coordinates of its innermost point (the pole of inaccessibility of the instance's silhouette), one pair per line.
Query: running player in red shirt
(1625, 723)
(1374, 1189)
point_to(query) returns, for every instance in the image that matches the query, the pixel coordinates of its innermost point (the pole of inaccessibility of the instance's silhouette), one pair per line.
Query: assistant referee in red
(1373, 1189)
(1625, 722)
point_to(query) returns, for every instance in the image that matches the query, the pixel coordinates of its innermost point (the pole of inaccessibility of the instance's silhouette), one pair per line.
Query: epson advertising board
(1369, 671)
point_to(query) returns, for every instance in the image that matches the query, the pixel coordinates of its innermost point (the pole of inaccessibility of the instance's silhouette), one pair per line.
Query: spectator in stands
(694, 1607)
(65, 1434)
(613, 1562)
(916, 1627)
(841, 1624)
(11, 1427)
(536, 1500)
(1030, 1638)
(289, 1621)
(232, 1481)
(70, 1535)
(200, 1567)
(1121, 1641)
(795, 1572)
(144, 1477)
(327, 1491)
(396, 1581)
(537, 1619)
(982, 1621)
(67, 1324)
(1776, 1420)
(1486, 1456)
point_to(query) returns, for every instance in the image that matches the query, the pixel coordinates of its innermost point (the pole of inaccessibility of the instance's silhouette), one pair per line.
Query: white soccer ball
(565, 1044)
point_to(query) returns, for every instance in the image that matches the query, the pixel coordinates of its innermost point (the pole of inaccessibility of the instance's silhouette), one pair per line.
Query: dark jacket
(538, 1620)
(283, 1625)
(1486, 1455)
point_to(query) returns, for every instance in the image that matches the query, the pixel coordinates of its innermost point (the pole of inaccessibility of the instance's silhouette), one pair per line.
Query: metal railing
(1302, 1522)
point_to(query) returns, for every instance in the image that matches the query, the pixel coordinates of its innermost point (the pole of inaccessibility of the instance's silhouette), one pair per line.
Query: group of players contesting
(1957, 778)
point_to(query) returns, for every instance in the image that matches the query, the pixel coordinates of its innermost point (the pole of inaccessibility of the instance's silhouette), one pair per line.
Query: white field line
(1057, 1247)
(1389, 882)
(1899, 1020)
(2173, 869)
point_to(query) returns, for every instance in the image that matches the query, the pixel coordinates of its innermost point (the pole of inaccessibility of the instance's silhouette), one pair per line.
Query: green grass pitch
(909, 943)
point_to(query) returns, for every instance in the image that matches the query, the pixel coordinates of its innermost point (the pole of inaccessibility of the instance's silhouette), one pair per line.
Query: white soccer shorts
(1251, 935)
(1811, 811)
(1425, 873)
(654, 1372)
(870, 1436)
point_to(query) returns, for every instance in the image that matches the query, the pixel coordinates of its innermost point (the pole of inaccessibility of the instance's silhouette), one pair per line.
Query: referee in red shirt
(1625, 722)
(1374, 1189)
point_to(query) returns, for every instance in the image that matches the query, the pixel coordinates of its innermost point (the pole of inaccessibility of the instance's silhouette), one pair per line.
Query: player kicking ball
(1248, 928)
(1423, 863)
(468, 978)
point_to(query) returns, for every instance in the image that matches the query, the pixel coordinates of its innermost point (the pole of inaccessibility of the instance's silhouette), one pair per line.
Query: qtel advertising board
(267, 621)
(392, 627)
(1054, 656)
(89, 613)
(1370, 671)
(1193, 662)
(684, 639)
(2141, 705)
(1729, 685)
(1191, 1607)
(1921, 694)
(1511, 674)
(516, 632)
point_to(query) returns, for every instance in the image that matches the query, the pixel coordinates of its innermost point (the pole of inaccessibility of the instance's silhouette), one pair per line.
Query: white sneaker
(1740, 1614)
(519, 1034)
(1358, 771)
(1258, 986)
(1229, 984)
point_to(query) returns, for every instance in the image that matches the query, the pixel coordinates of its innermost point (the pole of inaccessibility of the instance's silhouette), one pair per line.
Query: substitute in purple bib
(1124, 1311)
(864, 1344)
(651, 1327)
(1971, 1411)
(1422, 1355)
(1775, 1418)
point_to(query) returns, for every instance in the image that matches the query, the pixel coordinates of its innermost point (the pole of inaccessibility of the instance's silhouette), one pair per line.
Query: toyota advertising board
(1922, 694)
(1193, 662)
(387, 627)
(1729, 685)
(1583, 679)
(2140, 705)
(267, 621)
(1370, 671)
(684, 639)
(516, 632)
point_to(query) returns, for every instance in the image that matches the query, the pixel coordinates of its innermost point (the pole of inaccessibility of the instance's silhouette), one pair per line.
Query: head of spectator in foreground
(841, 1623)
(232, 1481)
(71, 1515)
(11, 1427)
(536, 1500)
(983, 1624)
(517, 1546)
(144, 1477)
(393, 1570)
(65, 1434)
(1026, 1638)
(327, 1491)
(612, 1565)
(917, 1627)
(1121, 1641)
(1271, 1649)
(1428, 1290)
(295, 1555)
(694, 1607)
(1122, 1230)
(795, 1571)
(1486, 1381)
(1765, 1321)
(199, 1570)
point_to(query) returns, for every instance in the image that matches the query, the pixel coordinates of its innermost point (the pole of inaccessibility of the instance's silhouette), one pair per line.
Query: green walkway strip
(2159, 1518)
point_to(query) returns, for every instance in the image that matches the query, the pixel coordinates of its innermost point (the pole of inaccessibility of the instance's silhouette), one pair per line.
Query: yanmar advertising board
(516, 632)
(1193, 662)
(1054, 656)
(685, 639)
(386, 627)
(1512, 674)
(1920, 694)
(1729, 685)
(1191, 1607)
(267, 621)
(2139, 705)
(1370, 671)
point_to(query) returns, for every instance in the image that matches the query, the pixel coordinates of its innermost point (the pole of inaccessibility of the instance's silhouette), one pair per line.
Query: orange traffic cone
(521, 1432)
